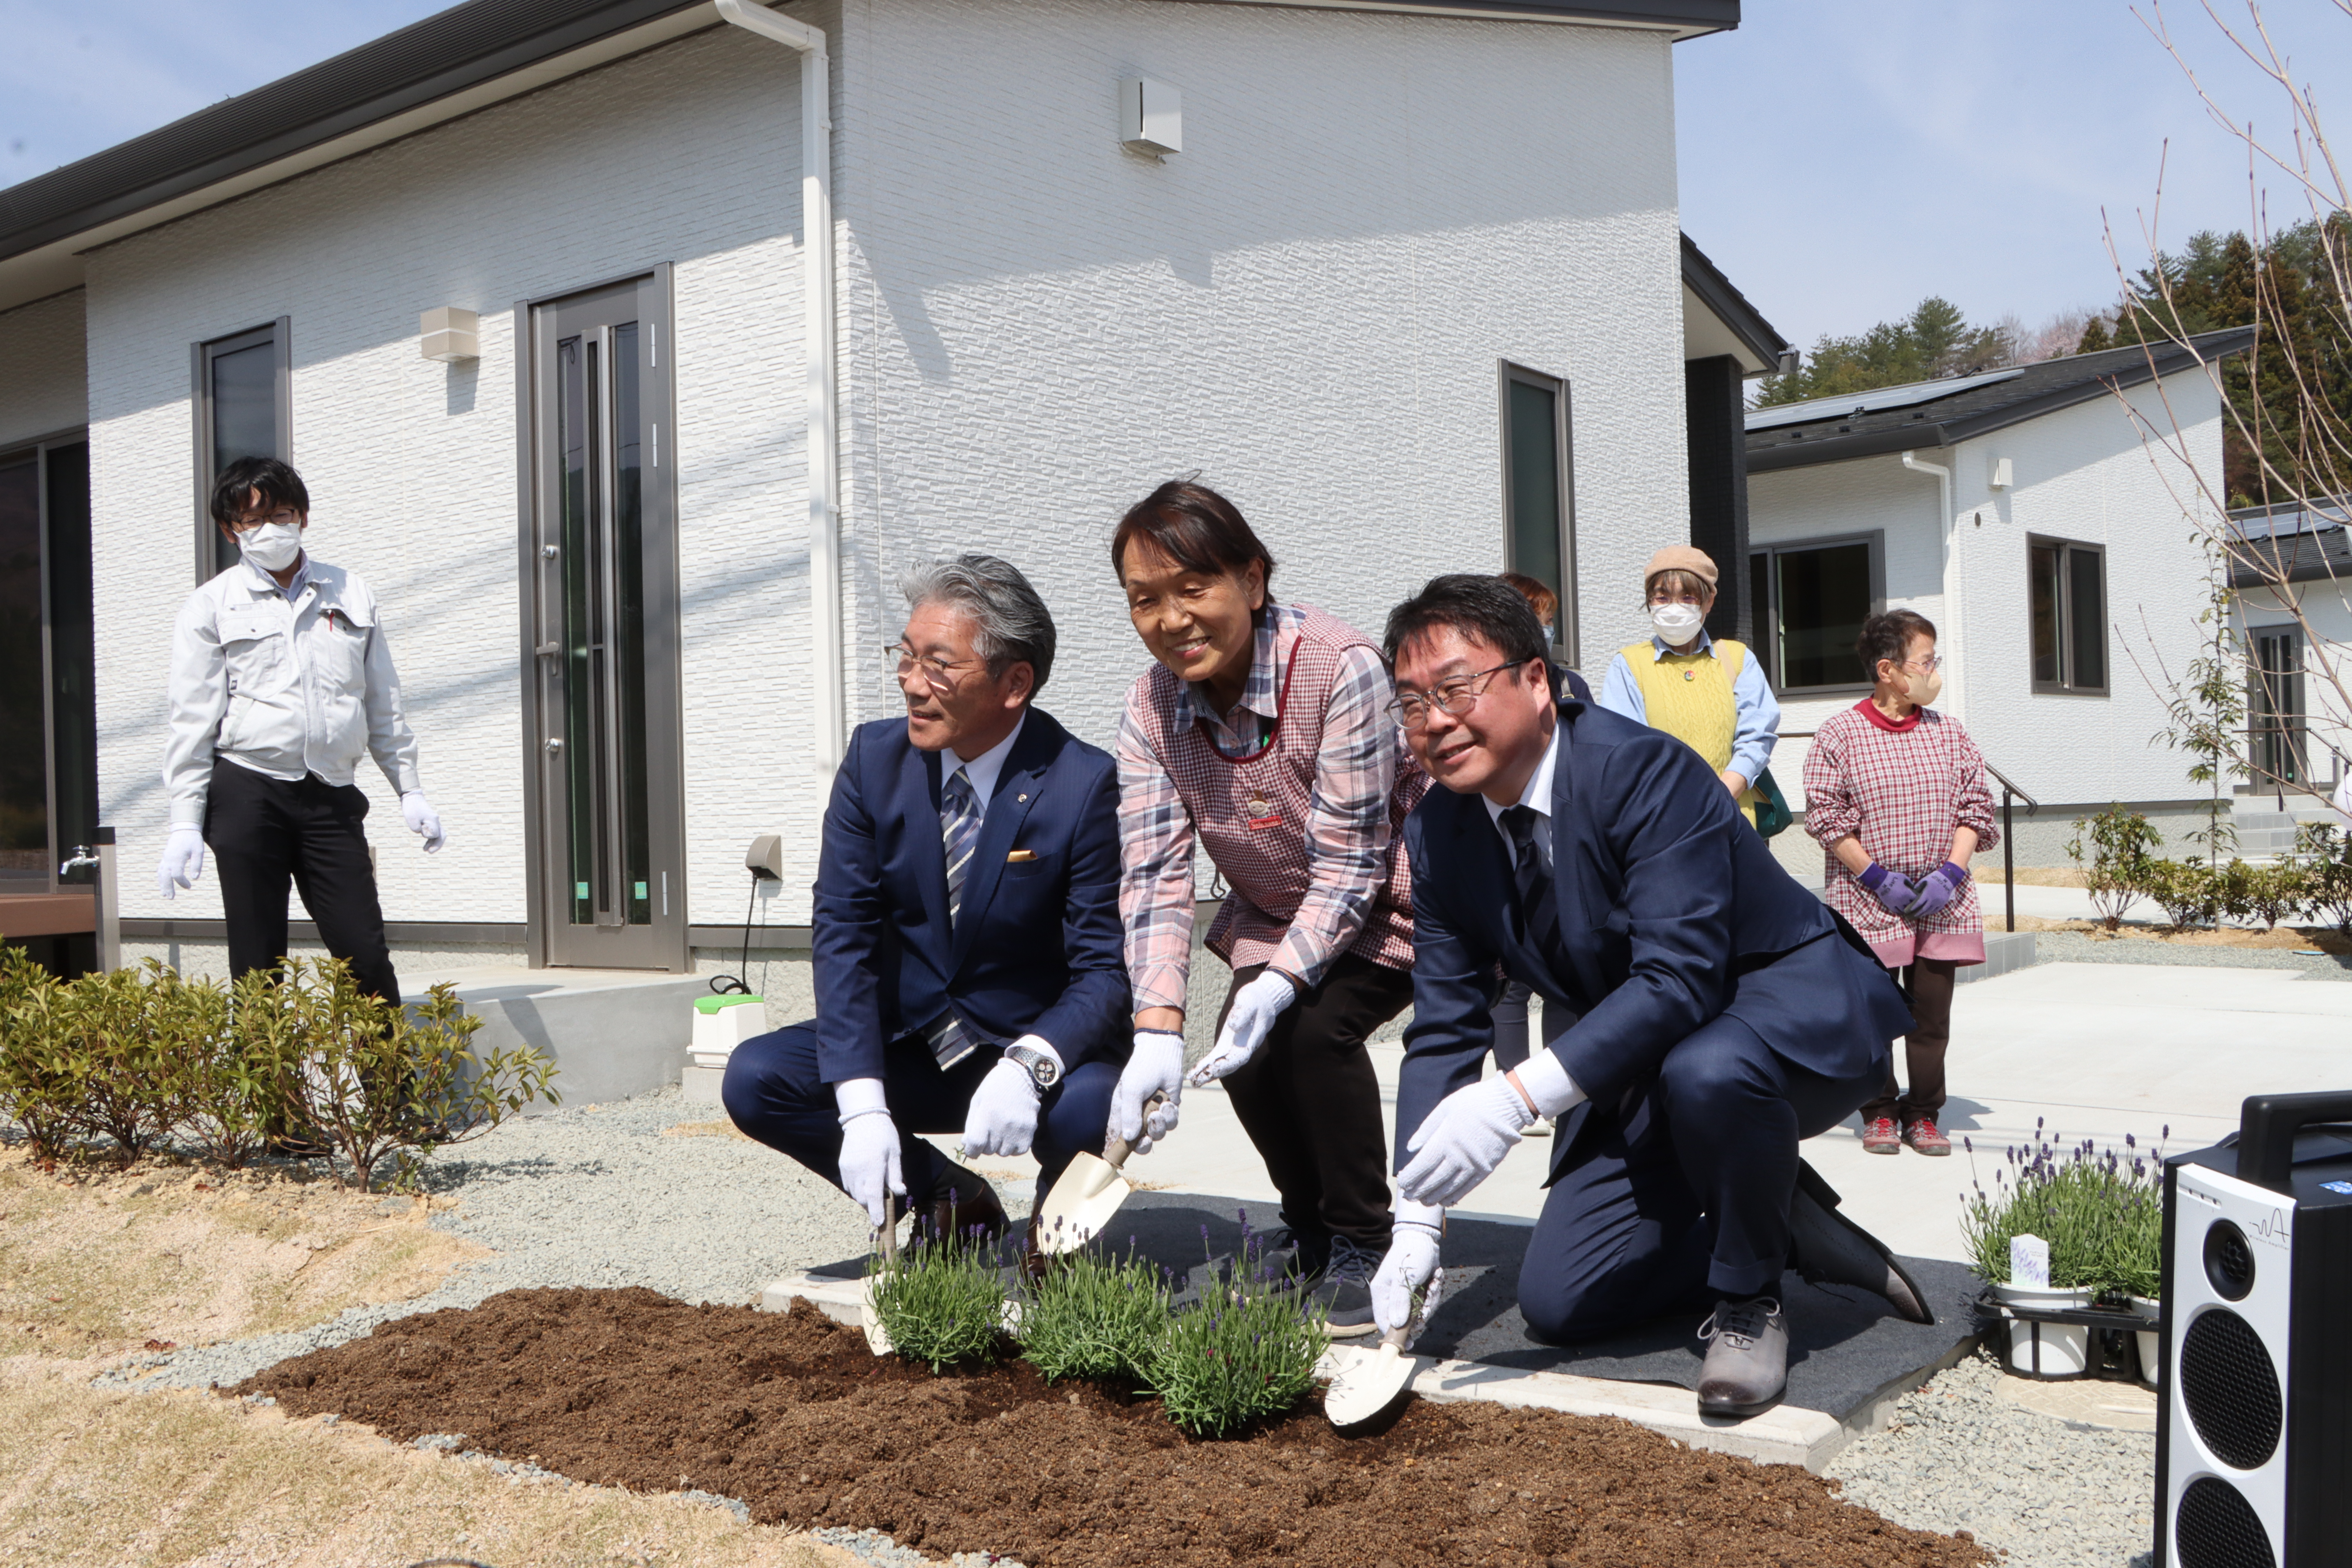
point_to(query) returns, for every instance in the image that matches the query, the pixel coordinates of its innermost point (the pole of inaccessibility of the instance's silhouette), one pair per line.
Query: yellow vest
(1688, 695)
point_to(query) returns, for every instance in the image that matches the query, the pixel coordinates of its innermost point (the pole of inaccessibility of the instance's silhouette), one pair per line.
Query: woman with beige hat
(1706, 692)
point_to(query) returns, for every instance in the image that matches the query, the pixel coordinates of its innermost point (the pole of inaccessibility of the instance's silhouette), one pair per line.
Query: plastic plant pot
(2148, 1338)
(2046, 1350)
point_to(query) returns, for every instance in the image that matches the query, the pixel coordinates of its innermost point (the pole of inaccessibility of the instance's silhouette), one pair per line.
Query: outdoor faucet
(82, 855)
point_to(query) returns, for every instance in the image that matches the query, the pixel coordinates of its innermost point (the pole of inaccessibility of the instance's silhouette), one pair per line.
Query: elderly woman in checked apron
(1262, 731)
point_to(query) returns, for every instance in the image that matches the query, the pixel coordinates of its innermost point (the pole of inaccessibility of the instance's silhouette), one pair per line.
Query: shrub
(2187, 891)
(1095, 1317)
(943, 1303)
(1245, 1352)
(241, 1047)
(2327, 873)
(2267, 893)
(38, 1089)
(2114, 861)
(2101, 1212)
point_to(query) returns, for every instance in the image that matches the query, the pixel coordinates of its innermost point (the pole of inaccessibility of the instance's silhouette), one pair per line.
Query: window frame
(38, 452)
(2064, 686)
(1765, 638)
(2277, 711)
(1565, 630)
(279, 335)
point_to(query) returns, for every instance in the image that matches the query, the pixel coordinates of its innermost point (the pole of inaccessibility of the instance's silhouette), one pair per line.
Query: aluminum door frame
(553, 941)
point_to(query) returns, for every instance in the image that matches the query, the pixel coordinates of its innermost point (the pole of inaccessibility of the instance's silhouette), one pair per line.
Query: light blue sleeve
(1619, 693)
(1756, 728)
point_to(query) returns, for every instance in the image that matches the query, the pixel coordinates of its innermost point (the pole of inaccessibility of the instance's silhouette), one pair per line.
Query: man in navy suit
(1723, 1012)
(970, 975)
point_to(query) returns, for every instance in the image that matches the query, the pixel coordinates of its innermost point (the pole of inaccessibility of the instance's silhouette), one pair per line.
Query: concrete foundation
(612, 1032)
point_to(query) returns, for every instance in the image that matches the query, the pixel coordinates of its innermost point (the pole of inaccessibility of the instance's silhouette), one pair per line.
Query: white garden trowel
(1372, 1383)
(1087, 1197)
(877, 1337)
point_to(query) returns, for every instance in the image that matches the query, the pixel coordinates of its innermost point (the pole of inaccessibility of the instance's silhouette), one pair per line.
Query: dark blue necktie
(959, 821)
(1539, 907)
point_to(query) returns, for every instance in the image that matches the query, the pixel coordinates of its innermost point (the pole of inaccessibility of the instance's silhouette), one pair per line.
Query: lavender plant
(1095, 1317)
(1245, 1352)
(942, 1302)
(2100, 1210)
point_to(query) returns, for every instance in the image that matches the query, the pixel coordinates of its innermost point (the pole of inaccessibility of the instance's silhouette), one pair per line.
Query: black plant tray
(2112, 1353)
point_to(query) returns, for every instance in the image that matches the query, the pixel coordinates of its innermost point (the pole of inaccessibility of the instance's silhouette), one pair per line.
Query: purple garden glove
(1939, 887)
(1892, 888)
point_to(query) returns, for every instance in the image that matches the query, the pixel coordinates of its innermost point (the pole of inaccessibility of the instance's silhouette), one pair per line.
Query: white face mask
(1678, 623)
(1548, 637)
(274, 546)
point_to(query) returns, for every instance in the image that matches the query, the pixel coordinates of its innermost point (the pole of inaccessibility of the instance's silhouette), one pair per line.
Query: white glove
(1002, 1117)
(184, 860)
(869, 1146)
(1459, 1144)
(1410, 1263)
(1247, 1023)
(419, 813)
(1156, 1067)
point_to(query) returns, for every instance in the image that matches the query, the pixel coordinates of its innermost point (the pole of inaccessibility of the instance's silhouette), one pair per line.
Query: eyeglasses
(1458, 695)
(285, 516)
(1928, 666)
(899, 661)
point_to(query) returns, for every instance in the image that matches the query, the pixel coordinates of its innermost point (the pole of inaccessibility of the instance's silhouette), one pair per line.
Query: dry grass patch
(2283, 938)
(131, 1480)
(1988, 869)
(96, 1264)
(722, 1128)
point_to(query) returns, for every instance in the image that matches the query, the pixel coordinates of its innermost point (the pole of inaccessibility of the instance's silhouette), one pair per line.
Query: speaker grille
(2216, 1528)
(2228, 1261)
(2231, 1388)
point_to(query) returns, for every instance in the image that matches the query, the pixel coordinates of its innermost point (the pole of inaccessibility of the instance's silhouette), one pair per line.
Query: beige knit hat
(1681, 558)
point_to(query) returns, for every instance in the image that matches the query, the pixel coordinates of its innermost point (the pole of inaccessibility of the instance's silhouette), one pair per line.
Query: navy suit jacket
(1036, 949)
(1673, 911)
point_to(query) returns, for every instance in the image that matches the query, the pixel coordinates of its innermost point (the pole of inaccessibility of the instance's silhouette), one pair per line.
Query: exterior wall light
(1150, 117)
(451, 334)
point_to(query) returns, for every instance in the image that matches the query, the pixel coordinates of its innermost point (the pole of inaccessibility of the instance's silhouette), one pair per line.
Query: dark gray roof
(2306, 557)
(1706, 280)
(1685, 18)
(1975, 406)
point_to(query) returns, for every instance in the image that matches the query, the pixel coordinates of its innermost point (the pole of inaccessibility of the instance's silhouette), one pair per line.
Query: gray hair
(1013, 625)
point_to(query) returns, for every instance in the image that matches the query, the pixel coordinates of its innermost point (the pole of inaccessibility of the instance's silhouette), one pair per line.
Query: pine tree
(2095, 337)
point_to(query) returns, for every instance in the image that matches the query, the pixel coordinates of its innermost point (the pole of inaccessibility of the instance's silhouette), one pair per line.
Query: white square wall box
(1151, 116)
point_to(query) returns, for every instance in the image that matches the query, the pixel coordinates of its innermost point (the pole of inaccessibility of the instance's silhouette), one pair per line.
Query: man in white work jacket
(280, 682)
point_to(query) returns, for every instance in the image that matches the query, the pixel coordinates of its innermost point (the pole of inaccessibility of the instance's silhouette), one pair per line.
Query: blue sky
(1840, 158)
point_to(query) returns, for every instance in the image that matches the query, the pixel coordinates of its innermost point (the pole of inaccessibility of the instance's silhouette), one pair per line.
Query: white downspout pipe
(1954, 644)
(823, 390)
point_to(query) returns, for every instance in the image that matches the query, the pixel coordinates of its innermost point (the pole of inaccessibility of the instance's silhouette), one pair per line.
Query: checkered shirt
(1902, 793)
(1299, 795)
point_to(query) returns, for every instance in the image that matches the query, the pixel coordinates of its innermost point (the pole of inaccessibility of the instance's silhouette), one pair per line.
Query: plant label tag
(2029, 1262)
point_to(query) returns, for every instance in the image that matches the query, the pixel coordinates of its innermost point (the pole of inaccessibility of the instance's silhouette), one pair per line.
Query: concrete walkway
(2098, 1050)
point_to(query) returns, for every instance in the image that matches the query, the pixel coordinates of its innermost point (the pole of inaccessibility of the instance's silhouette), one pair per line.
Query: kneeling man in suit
(967, 948)
(1723, 1012)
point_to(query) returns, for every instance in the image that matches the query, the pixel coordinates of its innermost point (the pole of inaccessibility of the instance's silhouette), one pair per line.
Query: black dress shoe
(1827, 1248)
(967, 1204)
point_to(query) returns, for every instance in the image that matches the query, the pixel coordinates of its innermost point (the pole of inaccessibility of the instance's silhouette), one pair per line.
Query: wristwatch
(1043, 1070)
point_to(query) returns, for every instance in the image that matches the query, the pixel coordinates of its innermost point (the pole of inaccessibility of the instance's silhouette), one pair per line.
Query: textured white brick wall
(1308, 306)
(42, 382)
(2080, 474)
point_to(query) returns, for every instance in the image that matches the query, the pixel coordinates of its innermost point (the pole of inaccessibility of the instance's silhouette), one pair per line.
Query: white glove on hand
(869, 1162)
(1411, 1262)
(1247, 1023)
(1002, 1117)
(1156, 1067)
(184, 860)
(419, 813)
(1459, 1144)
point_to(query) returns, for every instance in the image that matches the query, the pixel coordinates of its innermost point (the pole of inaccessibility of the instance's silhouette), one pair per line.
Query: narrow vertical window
(1807, 602)
(243, 404)
(1538, 497)
(2274, 707)
(2067, 583)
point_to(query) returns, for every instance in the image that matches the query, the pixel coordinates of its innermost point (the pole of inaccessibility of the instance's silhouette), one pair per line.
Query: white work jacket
(283, 686)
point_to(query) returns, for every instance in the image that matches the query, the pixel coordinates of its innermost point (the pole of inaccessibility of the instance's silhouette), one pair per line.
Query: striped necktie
(958, 837)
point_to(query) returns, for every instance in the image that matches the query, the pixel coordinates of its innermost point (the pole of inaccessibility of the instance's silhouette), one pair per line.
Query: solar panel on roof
(1872, 401)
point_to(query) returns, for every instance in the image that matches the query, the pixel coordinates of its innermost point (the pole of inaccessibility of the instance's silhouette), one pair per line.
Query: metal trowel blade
(1370, 1385)
(1080, 1204)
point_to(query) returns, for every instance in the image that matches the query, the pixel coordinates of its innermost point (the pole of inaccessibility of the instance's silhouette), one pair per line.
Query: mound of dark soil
(792, 1415)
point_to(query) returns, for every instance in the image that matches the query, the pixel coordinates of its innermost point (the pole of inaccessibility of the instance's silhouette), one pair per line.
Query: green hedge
(2116, 849)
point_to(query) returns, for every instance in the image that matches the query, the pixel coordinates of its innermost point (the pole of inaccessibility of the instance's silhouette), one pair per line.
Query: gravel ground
(1958, 1456)
(591, 1196)
(2074, 947)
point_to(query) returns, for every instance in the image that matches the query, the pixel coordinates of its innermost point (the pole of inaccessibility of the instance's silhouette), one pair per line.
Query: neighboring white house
(2022, 512)
(1405, 280)
(2295, 622)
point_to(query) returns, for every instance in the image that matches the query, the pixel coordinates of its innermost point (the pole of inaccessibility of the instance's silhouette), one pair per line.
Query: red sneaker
(1923, 1135)
(1880, 1137)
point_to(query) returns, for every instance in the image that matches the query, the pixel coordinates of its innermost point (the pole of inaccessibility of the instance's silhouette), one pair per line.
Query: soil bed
(793, 1415)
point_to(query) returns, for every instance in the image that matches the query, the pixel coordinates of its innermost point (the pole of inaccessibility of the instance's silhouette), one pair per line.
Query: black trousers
(1927, 985)
(1310, 1103)
(268, 835)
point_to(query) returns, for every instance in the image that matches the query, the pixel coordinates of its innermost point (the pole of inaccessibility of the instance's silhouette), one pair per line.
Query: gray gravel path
(1958, 1456)
(2074, 947)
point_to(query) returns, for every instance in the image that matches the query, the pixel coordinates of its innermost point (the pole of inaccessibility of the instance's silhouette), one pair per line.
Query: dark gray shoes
(1827, 1248)
(1746, 1357)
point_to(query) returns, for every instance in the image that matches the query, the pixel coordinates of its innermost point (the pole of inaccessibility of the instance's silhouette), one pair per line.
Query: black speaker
(2254, 1433)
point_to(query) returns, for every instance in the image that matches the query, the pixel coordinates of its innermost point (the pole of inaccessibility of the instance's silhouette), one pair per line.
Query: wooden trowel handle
(1115, 1151)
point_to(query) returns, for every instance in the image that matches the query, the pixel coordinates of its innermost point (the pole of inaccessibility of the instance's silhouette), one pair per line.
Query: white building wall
(1307, 305)
(42, 380)
(687, 155)
(2082, 474)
